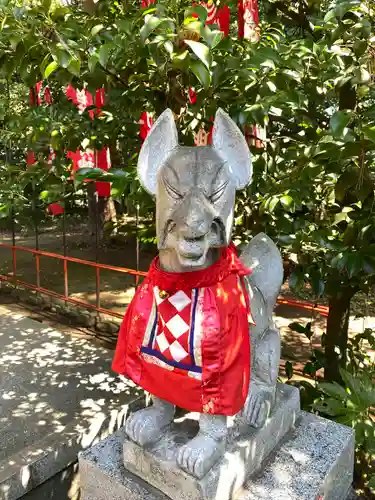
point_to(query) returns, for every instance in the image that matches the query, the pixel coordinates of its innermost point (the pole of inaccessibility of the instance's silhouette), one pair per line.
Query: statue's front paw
(200, 454)
(258, 407)
(148, 425)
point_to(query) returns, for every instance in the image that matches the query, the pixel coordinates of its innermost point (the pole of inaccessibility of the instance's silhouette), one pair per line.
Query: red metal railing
(97, 266)
(322, 310)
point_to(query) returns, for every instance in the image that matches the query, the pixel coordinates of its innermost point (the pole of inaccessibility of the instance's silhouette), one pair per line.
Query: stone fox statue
(185, 336)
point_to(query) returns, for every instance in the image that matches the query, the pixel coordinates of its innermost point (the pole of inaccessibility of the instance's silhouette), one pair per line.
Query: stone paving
(57, 396)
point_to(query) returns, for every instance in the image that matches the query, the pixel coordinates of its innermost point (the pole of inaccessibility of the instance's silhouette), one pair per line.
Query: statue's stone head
(194, 186)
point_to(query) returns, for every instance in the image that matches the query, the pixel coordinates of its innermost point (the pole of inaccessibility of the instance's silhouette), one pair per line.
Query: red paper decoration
(90, 158)
(145, 125)
(55, 209)
(80, 159)
(248, 19)
(221, 16)
(147, 3)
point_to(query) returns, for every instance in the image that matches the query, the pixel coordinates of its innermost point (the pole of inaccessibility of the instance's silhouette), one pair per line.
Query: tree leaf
(201, 51)
(353, 385)
(198, 10)
(62, 57)
(92, 62)
(309, 369)
(297, 327)
(288, 203)
(331, 14)
(104, 55)
(361, 76)
(334, 390)
(14, 41)
(51, 68)
(257, 114)
(297, 279)
(332, 407)
(2, 25)
(96, 29)
(124, 25)
(151, 24)
(369, 133)
(181, 60)
(211, 37)
(90, 173)
(371, 483)
(308, 331)
(75, 67)
(201, 72)
(267, 54)
(217, 37)
(272, 203)
(168, 45)
(339, 121)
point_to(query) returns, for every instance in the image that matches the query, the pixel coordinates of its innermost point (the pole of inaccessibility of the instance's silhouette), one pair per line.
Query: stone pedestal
(247, 450)
(291, 458)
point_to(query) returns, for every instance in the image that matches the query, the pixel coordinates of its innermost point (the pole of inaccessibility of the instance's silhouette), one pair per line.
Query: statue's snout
(194, 221)
(192, 233)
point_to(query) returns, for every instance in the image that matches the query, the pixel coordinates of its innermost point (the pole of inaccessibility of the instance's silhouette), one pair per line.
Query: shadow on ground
(57, 395)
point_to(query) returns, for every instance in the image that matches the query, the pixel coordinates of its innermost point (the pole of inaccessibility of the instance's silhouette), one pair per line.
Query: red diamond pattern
(174, 313)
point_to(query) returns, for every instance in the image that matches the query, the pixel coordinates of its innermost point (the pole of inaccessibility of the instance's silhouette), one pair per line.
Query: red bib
(185, 337)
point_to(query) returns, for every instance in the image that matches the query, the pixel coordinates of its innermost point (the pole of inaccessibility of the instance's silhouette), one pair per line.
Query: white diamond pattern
(177, 351)
(162, 342)
(179, 300)
(158, 299)
(177, 326)
(174, 317)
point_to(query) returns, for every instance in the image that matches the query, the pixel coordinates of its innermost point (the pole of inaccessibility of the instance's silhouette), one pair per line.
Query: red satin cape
(219, 383)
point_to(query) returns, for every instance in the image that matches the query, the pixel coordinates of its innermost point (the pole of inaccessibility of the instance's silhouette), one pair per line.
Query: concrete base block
(314, 462)
(247, 450)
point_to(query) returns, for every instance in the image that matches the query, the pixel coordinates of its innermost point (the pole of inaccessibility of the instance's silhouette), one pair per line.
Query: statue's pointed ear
(230, 144)
(159, 144)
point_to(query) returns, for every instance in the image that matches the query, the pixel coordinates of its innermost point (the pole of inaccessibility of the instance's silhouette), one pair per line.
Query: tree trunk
(100, 211)
(337, 334)
(339, 306)
(347, 96)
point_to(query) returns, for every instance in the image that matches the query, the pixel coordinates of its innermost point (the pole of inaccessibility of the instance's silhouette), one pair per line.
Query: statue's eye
(217, 194)
(172, 191)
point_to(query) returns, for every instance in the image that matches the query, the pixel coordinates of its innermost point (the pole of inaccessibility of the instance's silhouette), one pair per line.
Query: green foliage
(350, 403)
(353, 405)
(148, 59)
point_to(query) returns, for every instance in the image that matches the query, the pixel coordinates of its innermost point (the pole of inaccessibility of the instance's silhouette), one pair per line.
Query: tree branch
(299, 18)
(109, 73)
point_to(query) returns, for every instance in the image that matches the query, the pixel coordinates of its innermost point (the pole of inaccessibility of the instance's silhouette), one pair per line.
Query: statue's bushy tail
(262, 256)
